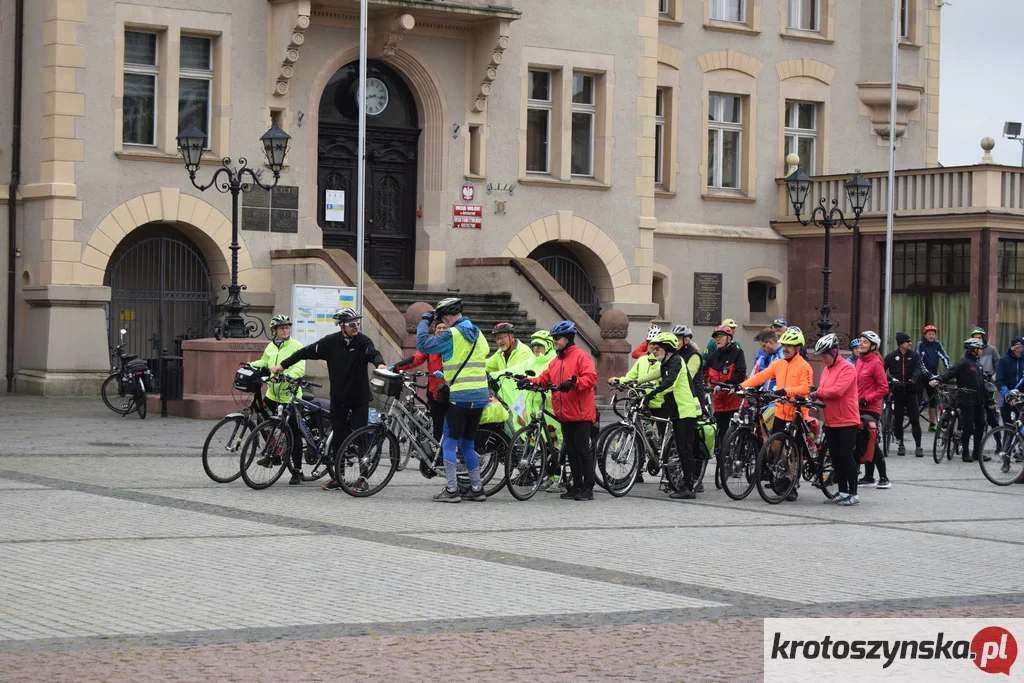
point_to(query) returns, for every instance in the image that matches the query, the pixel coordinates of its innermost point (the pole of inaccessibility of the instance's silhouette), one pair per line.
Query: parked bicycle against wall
(126, 389)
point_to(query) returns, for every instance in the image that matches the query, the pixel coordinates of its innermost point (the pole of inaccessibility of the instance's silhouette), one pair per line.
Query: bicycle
(947, 441)
(221, 461)
(1004, 465)
(124, 391)
(794, 453)
(530, 450)
(272, 440)
(362, 451)
(737, 463)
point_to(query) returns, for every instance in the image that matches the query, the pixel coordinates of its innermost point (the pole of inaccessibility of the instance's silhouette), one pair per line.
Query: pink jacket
(872, 384)
(838, 390)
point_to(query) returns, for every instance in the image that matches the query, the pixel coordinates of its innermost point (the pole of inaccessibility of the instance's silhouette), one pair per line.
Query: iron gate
(161, 294)
(572, 276)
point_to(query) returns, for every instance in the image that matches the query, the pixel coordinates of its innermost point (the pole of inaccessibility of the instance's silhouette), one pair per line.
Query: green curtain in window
(951, 314)
(1011, 319)
(907, 316)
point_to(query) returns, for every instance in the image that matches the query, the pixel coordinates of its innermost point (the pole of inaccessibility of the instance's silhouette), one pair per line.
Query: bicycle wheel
(524, 465)
(886, 428)
(491, 446)
(1003, 447)
(778, 466)
(702, 458)
(953, 440)
(824, 473)
(265, 454)
(142, 406)
(619, 458)
(318, 465)
(738, 463)
(367, 460)
(222, 448)
(941, 442)
(114, 395)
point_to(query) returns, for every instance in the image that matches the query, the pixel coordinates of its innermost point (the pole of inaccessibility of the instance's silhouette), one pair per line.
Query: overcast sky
(982, 79)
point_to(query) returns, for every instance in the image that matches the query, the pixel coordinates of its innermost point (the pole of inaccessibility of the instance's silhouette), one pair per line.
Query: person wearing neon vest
(464, 352)
(511, 351)
(647, 368)
(543, 348)
(280, 347)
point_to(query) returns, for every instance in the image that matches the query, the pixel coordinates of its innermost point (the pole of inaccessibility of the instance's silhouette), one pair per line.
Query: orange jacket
(795, 376)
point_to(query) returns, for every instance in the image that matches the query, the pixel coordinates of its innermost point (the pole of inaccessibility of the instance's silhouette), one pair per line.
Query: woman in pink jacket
(837, 389)
(872, 386)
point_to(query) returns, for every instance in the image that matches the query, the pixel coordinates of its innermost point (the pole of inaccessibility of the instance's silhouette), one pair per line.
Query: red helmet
(929, 328)
(722, 329)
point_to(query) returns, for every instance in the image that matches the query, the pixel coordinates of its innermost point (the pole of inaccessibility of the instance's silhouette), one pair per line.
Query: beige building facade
(640, 141)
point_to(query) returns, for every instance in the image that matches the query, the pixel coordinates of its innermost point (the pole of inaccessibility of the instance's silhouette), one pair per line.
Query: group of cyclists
(684, 385)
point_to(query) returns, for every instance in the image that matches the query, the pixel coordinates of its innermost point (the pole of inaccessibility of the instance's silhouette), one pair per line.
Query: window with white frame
(725, 139)
(905, 19)
(729, 10)
(802, 133)
(195, 83)
(663, 7)
(804, 15)
(584, 111)
(538, 122)
(138, 124)
(659, 138)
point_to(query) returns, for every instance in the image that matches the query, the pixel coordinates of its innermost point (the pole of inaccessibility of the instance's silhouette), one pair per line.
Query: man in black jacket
(347, 354)
(970, 376)
(903, 367)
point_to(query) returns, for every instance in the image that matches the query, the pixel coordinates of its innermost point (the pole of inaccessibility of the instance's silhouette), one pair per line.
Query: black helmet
(502, 328)
(346, 315)
(449, 306)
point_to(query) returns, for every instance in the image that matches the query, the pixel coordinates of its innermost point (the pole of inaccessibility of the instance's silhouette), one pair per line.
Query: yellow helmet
(666, 340)
(729, 322)
(792, 337)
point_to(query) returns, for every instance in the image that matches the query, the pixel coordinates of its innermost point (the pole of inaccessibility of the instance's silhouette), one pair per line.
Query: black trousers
(722, 419)
(578, 449)
(296, 435)
(345, 420)
(685, 429)
(972, 423)
(841, 444)
(906, 403)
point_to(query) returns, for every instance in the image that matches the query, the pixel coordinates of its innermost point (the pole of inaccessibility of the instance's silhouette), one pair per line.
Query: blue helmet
(563, 328)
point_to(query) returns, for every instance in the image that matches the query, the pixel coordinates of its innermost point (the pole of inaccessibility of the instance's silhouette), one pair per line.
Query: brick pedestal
(209, 367)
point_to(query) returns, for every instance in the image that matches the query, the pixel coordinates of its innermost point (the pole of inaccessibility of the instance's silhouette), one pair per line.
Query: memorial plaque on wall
(284, 211)
(285, 197)
(257, 198)
(707, 298)
(284, 220)
(255, 219)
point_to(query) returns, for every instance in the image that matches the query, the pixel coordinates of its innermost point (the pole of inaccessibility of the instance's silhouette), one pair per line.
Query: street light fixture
(858, 191)
(192, 145)
(1011, 131)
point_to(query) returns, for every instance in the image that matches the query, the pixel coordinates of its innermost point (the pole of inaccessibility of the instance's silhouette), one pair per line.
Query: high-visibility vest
(474, 374)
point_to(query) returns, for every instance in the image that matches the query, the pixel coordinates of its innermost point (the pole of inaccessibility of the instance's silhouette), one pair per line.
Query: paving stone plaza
(121, 560)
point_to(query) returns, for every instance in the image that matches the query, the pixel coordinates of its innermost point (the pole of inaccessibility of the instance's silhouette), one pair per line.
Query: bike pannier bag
(247, 380)
(386, 383)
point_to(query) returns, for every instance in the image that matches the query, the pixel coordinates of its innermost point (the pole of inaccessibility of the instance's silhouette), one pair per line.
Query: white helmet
(826, 344)
(682, 331)
(871, 337)
(653, 332)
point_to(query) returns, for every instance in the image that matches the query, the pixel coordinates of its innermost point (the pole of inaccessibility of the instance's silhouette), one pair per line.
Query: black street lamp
(192, 144)
(858, 190)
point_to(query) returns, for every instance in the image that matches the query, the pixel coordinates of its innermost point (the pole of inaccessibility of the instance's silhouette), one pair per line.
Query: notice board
(313, 309)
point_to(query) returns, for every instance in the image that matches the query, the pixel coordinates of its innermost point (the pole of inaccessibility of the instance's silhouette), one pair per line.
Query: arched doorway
(160, 291)
(391, 168)
(569, 272)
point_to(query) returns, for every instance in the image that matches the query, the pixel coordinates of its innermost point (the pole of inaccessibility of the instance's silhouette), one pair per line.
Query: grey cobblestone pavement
(120, 560)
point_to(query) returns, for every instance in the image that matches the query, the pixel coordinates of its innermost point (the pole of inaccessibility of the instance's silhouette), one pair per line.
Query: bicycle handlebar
(301, 383)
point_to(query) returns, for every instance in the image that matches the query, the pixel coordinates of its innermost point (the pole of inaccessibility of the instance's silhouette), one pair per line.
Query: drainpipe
(12, 189)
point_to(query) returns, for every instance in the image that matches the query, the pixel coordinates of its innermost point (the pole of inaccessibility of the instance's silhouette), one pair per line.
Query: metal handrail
(544, 297)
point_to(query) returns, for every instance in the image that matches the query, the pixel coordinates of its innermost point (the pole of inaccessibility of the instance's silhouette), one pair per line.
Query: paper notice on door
(335, 206)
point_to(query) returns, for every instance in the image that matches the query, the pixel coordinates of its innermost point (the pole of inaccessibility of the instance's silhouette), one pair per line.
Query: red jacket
(838, 391)
(872, 384)
(434, 363)
(640, 351)
(578, 405)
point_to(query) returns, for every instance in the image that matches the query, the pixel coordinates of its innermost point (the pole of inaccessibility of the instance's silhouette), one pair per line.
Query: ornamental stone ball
(614, 324)
(793, 160)
(413, 315)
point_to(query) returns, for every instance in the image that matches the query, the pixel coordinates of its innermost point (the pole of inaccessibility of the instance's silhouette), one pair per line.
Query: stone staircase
(485, 310)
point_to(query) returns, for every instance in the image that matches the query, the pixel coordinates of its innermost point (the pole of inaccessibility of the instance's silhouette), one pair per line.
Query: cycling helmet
(929, 328)
(972, 343)
(780, 322)
(978, 330)
(722, 329)
(794, 327)
(1016, 341)
(854, 343)
(653, 332)
(540, 338)
(682, 331)
(449, 306)
(667, 341)
(279, 320)
(563, 329)
(872, 337)
(729, 322)
(502, 328)
(346, 315)
(825, 344)
(792, 337)
(1014, 396)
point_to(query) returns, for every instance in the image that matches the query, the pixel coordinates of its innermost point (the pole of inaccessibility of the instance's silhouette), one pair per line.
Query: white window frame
(659, 138)
(200, 75)
(904, 19)
(153, 71)
(796, 16)
(718, 8)
(793, 133)
(716, 128)
(590, 110)
(663, 8)
(540, 105)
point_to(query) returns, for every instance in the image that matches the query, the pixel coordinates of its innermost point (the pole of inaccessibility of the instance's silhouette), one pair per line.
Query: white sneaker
(547, 484)
(556, 486)
(836, 498)
(849, 501)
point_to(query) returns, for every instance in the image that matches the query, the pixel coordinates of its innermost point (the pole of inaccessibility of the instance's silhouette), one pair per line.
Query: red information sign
(467, 216)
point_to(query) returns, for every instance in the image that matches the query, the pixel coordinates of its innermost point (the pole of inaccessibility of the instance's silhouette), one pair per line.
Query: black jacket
(968, 374)
(729, 358)
(907, 369)
(346, 365)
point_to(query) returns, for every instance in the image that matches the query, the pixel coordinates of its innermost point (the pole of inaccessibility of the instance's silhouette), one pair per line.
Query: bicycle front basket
(386, 383)
(247, 380)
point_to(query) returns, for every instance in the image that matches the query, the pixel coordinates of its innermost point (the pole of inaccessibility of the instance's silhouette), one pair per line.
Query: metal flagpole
(361, 177)
(887, 300)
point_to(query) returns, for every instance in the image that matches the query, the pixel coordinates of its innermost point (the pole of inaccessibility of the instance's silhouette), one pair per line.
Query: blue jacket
(442, 344)
(1009, 372)
(931, 353)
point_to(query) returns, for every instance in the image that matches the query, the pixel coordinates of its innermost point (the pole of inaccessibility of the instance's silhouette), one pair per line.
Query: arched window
(569, 272)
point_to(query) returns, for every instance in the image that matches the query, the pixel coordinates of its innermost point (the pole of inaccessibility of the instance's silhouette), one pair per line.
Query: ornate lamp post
(858, 190)
(231, 177)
